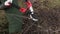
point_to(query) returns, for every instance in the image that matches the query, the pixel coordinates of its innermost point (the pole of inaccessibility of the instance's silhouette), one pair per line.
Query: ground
(48, 13)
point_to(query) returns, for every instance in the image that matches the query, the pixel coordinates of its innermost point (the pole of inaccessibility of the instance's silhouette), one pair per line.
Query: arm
(32, 15)
(29, 7)
(23, 10)
(9, 3)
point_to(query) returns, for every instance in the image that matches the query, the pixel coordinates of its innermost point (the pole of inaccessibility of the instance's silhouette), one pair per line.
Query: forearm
(9, 3)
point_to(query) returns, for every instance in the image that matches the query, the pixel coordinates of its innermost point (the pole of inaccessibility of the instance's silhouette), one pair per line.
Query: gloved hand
(7, 3)
(31, 12)
(32, 16)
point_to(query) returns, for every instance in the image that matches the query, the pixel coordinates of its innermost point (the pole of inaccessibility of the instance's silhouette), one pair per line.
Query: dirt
(3, 22)
(49, 19)
(48, 13)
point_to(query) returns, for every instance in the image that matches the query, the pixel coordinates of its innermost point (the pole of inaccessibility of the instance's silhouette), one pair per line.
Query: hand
(8, 3)
(34, 17)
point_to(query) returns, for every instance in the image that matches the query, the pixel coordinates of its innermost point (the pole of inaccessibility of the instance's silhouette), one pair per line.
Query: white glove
(7, 3)
(32, 16)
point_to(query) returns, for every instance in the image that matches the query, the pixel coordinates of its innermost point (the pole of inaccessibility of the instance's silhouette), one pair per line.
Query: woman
(15, 23)
(9, 3)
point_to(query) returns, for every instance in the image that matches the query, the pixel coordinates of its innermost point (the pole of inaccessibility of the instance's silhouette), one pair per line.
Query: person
(9, 3)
